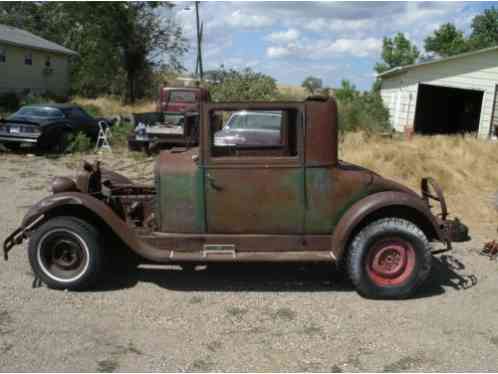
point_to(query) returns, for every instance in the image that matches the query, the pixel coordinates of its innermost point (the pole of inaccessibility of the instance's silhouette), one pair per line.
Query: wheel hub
(61, 255)
(390, 261)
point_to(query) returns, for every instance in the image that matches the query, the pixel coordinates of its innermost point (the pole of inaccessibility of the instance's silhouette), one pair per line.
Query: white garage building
(451, 95)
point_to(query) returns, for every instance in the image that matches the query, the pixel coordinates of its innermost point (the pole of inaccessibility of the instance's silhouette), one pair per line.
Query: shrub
(361, 111)
(245, 85)
(120, 132)
(81, 143)
(9, 102)
(92, 110)
(29, 98)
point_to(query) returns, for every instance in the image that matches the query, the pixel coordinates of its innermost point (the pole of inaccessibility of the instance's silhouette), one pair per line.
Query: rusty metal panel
(321, 132)
(330, 192)
(255, 199)
(180, 193)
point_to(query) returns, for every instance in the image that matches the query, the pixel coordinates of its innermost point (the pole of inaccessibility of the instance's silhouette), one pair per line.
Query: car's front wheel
(64, 253)
(390, 258)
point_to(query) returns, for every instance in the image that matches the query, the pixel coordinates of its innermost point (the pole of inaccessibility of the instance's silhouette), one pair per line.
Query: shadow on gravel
(447, 271)
(231, 277)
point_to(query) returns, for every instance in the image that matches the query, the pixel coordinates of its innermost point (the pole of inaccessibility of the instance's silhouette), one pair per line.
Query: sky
(330, 40)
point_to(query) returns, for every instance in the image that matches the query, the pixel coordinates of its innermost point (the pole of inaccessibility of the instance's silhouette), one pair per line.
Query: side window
(28, 58)
(75, 113)
(254, 133)
(3, 54)
(48, 62)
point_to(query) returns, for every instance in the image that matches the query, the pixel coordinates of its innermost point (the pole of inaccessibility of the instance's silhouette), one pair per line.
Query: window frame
(28, 58)
(240, 161)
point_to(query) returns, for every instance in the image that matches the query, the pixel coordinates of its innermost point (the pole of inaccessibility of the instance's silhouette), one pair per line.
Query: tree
(484, 29)
(119, 44)
(397, 51)
(311, 84)
(347, 91)
(446, 41)
(245, 85)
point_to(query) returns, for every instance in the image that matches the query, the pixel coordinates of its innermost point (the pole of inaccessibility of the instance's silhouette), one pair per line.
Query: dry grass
(109, 106)
(295, 92)
(464, 166)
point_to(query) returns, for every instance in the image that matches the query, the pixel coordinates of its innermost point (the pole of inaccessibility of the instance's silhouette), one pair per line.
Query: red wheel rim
(390, 262)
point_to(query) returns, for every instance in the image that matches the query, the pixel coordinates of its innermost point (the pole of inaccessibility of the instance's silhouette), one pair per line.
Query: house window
(48, 63)
(28, 59)
(3, 54)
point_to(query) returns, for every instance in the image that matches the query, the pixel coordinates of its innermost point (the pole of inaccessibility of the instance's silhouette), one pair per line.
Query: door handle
(212, 182)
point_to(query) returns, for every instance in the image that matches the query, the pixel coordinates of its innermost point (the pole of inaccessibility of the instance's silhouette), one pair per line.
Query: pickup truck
(175, 121)
(291, 200)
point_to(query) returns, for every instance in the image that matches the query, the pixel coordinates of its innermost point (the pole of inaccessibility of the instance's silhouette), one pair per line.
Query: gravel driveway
(239, 317)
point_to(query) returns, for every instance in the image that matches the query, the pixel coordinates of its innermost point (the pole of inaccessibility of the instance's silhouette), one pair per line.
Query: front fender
(97, 207)
(100, 210)
(372, 203)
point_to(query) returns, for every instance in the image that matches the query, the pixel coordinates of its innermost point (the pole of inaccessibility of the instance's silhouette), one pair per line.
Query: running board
(230, 255)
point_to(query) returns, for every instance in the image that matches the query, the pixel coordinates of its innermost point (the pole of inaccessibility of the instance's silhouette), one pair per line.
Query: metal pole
(199, 41)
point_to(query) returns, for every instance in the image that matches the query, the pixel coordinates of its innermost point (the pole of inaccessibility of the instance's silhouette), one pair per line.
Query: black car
(47, 126)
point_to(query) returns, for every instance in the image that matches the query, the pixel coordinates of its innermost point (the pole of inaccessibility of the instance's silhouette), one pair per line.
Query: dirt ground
(240, 317)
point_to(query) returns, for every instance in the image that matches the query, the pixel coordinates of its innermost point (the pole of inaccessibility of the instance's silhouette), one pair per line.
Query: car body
(295, 201)
(250, 128)
(47, 125)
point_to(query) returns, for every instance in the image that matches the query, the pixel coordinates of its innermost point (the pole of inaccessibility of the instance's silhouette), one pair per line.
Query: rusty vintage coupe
(292, 201)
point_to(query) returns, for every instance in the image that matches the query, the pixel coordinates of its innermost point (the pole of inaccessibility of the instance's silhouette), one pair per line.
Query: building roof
(22, 38)
(402, 69)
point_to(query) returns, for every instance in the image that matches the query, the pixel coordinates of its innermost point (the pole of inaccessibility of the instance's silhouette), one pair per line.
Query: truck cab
(290, 199)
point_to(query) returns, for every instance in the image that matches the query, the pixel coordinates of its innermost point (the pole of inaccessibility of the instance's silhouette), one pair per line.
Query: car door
(254, 188)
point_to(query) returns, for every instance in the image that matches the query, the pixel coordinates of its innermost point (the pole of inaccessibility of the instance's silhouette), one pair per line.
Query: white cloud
(324, 48)
(278, 52)
(283, 36)
(356, 47)
(338, 25)
(244, 20)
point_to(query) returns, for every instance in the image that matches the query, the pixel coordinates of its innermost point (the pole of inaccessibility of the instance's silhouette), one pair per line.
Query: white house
(450, 95)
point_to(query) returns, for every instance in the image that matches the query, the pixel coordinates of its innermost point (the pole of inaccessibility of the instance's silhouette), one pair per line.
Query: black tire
(64, 253)
(389, 259)
(63, 142)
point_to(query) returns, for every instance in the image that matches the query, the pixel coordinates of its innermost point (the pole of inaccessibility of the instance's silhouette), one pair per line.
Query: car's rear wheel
(64, 253)
(390, 258)
(63, 142)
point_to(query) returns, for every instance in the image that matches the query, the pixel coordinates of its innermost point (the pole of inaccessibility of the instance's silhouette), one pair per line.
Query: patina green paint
(200, 188)
(182, 202)
(324, 210)
(364, 192)
(319, 212)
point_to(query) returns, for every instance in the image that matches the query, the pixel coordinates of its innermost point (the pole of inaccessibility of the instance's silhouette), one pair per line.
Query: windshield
(253, 121)
(182, 97)
(38, 112)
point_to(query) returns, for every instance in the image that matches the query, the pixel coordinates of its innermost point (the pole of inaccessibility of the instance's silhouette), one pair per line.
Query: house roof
(22, 38)
(402, 69)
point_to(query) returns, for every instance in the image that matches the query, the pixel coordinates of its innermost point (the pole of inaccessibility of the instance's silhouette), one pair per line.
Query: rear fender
(409, 206)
